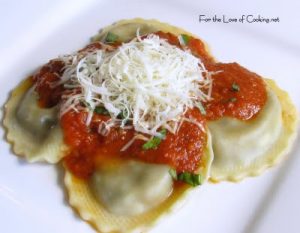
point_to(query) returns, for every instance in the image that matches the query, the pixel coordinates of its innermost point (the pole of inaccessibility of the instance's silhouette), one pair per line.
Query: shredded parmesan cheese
(135, 137)
(149, 81)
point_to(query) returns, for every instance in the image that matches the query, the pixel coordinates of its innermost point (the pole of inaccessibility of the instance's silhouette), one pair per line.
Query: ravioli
(126, 29)
(247, 148)
(241, 148)
(142, 214)
(132, 195)
(106, 206)
(34, 132)
(136, 187)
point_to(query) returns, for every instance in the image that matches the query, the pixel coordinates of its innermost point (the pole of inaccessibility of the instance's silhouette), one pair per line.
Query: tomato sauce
(237, 92)
(45, 80)
(196, 46)
(182, 151)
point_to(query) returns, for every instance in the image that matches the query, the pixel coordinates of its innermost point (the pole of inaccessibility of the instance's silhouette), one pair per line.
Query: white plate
(32, 198)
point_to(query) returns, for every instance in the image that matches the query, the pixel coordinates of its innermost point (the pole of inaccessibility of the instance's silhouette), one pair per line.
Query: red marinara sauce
(88, 148)
(196, 46)
(236, 92)
(45, 80)
(182, 151)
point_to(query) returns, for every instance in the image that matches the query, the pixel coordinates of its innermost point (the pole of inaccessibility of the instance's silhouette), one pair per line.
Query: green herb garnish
(101, 110)
(185, 39)
(201, 108)
(235, 87)
(173, 173)
(232, 99)
(190, 178)
(186, 177)
(111, 37)
(155, 141)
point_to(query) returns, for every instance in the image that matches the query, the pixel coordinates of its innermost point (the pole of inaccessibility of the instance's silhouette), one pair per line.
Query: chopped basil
(111, 38)
(155, 141)
(190, 178)
(232, 99)
(235, 87)
(185, 39)
(101, 110)
(201, 108)
(173, 173)
(186, 177)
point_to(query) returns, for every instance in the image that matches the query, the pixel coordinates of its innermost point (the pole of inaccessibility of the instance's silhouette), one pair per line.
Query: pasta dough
(132, 187)
(247, 148)
(34, 132)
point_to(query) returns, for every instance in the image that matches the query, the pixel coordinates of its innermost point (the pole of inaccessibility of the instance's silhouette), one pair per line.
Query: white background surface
(32, 199)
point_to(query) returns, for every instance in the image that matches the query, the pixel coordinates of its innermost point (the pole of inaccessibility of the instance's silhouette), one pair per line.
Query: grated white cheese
(150, 81)
(131, 141)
